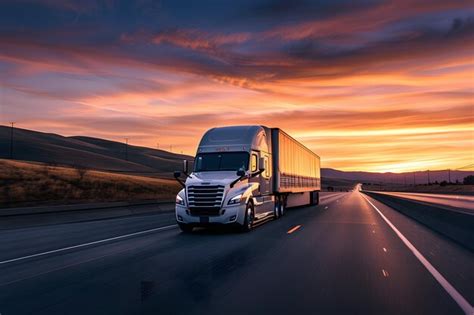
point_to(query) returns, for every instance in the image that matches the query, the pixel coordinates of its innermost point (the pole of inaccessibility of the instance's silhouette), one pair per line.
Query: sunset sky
(368, 85)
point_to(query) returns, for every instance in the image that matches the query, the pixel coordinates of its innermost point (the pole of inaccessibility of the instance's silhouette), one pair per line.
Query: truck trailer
(245, 174)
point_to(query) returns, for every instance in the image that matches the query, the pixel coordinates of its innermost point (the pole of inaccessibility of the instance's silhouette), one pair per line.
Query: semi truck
(243, 175)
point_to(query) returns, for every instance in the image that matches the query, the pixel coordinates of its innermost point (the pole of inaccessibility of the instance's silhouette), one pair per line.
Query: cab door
(265, 199)
(264, 177)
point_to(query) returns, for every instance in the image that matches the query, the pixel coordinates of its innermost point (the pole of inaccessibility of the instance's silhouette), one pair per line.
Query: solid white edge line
(457, 297)
(88, 244)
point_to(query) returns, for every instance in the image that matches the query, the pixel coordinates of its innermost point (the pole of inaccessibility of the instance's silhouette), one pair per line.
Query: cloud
(349, 79)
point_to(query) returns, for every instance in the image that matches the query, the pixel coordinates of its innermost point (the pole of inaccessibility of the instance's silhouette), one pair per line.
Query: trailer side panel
(296, 168)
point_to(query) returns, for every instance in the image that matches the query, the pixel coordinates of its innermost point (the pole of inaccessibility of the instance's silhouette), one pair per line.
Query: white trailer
(297, 170)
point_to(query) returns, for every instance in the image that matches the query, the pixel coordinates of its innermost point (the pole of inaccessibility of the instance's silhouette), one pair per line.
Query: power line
(126, 149)
(11, 139)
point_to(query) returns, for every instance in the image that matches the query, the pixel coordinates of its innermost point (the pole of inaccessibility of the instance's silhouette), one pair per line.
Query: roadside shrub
(468, 180)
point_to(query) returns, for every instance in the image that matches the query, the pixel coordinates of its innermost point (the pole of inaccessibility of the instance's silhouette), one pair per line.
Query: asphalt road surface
(351, 254)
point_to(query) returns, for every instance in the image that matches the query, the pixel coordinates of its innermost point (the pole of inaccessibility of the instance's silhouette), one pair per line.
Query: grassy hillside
(24, 183)
(87, 152)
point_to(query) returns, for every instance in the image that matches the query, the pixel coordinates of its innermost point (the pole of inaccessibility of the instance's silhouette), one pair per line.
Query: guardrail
(456, 225)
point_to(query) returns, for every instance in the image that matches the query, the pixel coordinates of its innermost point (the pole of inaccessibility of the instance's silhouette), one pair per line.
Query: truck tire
(248, 217)
(316, 198)
(185, 228)
(282, 207)
(276, 208)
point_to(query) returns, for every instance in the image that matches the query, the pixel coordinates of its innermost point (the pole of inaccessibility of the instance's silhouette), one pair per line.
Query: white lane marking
(293, 229)
(385, 273)
(457, 297)
(88, 244)
(326, 207)
(384, 249)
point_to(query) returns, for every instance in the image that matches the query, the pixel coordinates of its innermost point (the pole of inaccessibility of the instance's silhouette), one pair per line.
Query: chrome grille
(205, 199)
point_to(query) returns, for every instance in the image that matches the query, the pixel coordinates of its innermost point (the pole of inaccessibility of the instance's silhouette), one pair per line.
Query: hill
(420, 177)
(87, 152)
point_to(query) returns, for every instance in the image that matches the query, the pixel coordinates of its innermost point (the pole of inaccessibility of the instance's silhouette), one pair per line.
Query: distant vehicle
(244, 174)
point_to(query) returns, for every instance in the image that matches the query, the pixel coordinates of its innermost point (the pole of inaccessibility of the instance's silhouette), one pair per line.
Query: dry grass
(25, 183)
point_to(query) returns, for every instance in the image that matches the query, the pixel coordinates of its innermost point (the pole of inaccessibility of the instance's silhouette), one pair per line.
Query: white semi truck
(245, 174)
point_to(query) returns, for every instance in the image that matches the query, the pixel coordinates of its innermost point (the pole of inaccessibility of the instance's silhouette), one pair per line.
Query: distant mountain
(420, 177)
(111, 155)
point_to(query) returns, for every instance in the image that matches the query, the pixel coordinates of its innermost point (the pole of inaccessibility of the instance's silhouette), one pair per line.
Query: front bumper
(232, 214)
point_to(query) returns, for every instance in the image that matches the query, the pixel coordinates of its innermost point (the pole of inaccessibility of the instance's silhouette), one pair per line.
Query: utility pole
(126, 149)
(429, 181)
(11, 140)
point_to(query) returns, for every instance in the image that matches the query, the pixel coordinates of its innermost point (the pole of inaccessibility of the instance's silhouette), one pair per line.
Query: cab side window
(253, 163)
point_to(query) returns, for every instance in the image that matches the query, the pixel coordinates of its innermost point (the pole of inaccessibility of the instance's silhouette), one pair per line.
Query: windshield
(222, 161)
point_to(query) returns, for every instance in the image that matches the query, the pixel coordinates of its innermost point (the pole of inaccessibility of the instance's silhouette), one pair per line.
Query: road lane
(336, 264)
(35, 241)
(448, 287)
(454, 261)
(342, 259)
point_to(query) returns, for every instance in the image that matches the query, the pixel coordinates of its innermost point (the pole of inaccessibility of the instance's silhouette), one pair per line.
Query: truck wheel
(186, 228)
(276, 208)
(316, 198)
(282, 206)
(249, 217)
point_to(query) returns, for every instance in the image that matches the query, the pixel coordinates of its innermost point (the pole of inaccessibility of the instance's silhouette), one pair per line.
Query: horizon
(468, 169)
(370, 86)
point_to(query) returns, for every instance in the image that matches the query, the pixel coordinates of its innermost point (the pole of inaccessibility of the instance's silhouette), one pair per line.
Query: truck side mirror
(261, 164)
(185, 166)
(240, 173)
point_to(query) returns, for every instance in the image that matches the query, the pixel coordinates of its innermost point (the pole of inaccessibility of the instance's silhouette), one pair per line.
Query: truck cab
(231, 182)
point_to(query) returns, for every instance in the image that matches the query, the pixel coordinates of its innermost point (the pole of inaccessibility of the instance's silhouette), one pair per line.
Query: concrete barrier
(456, 225)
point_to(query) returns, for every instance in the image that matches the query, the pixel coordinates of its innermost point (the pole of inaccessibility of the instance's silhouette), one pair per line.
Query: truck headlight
(235, 200)
(179, 200)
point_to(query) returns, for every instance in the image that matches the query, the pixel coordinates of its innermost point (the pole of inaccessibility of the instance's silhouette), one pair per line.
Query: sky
(368, 85)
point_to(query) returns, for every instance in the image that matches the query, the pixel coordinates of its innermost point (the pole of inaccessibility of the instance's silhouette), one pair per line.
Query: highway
(351, 254)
